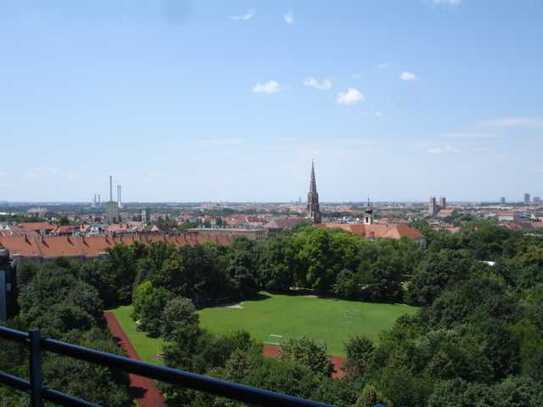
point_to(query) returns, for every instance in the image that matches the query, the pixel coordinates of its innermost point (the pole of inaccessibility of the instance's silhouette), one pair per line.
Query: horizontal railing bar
(193, 381)
(14, 381)
(66, 400)
(48, 394)
(218, 387)
(13, 334)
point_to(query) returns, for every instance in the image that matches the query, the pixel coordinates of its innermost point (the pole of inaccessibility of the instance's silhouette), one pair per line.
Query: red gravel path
(274, 351)
(146, 392)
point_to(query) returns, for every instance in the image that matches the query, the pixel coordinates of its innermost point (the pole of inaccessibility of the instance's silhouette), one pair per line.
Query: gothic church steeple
(313, 211)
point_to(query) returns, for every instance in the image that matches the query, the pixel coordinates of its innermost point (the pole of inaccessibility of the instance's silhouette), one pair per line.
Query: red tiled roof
(36, 226)
(66, 229)
(93, 246)
(377, 230)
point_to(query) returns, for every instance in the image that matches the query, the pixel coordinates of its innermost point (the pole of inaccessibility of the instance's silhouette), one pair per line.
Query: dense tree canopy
(477, 339)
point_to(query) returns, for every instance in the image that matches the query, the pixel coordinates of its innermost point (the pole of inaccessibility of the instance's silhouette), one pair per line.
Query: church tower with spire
(313, 211)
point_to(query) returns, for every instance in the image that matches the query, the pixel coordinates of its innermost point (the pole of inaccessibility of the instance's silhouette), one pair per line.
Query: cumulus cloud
(41, 172)
(268, 87)
(447, 2)
(470, 135)
(288, 17)
(244, 17)
(513, 122)
(408, 76)
(350, 97)
(443, 149)
(324, 84)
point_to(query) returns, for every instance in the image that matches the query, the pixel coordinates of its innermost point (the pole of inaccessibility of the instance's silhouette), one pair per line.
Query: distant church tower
(313, 211)
(368, 214)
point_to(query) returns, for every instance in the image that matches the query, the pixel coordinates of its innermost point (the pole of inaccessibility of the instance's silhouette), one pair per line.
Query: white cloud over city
(322, 84)
(443, 149)
(408, 76)
(513, 122)
(268, 87)
(248, 15)
(350, 97)
(288, 17)
(447, 2)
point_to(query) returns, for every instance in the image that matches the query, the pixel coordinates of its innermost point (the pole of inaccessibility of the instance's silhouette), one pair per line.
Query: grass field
(147, 348)
(275, 318)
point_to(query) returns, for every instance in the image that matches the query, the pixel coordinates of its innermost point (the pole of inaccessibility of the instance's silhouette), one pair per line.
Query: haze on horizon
(230, 101)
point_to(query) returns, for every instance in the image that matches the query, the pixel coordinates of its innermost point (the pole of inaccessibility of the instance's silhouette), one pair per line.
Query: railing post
(36, 376)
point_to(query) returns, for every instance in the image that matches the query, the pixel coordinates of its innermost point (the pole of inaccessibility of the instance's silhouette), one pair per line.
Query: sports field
(274, 318)
(148, 348)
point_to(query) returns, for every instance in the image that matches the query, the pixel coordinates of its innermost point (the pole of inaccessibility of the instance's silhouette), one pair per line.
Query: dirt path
(146, 392)
(274, 351)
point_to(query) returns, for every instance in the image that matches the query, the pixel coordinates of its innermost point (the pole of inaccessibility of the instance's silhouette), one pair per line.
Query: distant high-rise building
(502, 200)
(119, 197)
(433, 208)
(145, 215)
(442, 203)
(112, 207)
(527, 198)
(313, 210)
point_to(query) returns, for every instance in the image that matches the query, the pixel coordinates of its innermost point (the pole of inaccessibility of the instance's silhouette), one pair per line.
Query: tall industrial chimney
(119, 200)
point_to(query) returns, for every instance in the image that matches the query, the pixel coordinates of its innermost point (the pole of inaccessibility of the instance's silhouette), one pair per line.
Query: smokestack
(119, 201)
(110, 188)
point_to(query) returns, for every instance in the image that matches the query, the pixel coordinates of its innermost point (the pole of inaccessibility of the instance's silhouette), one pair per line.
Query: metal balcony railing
(39, 392)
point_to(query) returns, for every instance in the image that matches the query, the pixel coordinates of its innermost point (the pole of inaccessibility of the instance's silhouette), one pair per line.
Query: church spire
(368, 216)
(313, 211)
(313, 182)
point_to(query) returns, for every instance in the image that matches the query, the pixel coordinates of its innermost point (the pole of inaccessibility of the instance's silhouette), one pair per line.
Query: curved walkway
(146, 392)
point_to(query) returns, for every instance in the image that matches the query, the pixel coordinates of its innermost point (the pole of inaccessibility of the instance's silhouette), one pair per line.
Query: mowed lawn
(148, 348)
(329, 321)
(275, 318)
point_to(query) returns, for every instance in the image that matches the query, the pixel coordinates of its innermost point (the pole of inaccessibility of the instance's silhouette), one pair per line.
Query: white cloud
(470, 135)
(443, 149)
(244, 17)
(324, 84)
(408, 76)
(289, 17)
(41, 172)
(447, 2)
(513, 122)
(350, 97)
(267, 87)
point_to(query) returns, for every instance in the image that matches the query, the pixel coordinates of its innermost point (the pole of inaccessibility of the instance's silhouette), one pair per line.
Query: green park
(274, 318)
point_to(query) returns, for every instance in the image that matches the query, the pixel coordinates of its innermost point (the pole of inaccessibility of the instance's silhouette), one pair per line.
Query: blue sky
(230, 100)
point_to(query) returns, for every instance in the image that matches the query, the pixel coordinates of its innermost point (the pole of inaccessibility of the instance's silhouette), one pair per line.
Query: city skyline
(186, 101)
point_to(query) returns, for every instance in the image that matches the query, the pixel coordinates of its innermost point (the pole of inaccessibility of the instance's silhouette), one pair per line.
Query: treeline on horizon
(476, 340)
